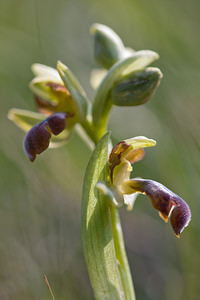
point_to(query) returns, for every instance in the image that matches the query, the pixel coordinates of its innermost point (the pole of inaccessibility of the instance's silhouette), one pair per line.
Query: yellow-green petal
(40, 70)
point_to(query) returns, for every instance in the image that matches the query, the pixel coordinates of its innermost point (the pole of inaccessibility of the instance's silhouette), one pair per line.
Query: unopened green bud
(108, 47)
(136, 88)
(102, 101)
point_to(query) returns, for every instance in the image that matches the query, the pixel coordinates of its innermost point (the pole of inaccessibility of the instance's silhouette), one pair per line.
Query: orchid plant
(124, 79)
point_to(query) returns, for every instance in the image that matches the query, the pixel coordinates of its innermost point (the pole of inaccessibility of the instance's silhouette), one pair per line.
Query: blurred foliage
(40, 202)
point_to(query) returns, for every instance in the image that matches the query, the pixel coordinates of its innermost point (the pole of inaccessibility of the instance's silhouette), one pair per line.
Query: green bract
(108, 269)
(97, 229)
(75, 89)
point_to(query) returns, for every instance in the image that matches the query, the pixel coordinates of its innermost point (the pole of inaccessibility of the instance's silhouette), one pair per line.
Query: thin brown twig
(48, 285)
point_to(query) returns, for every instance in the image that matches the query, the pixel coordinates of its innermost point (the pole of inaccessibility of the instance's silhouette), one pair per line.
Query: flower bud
(102, 103)
(108, 47)
(136, 88)
(165, 201)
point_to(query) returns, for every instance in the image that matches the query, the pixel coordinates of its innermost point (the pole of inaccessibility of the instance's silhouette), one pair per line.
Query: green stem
(120, 251)
(94, 133)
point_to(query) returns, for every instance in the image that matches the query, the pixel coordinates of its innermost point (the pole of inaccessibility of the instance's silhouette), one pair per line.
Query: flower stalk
(121, 256)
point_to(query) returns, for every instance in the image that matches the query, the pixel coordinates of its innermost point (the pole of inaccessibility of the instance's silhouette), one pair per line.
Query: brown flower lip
(38, 137)
(165, 201)
(37, 140)
(57, 122)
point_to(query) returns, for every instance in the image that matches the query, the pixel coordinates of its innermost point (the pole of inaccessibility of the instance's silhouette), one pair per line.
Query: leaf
(97, 228)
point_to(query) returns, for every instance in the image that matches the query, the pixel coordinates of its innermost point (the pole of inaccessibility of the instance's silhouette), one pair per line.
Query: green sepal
(136, 88)
(108, 47)
(97, 233)
(75, 89)
(26, 119)
(103, 101)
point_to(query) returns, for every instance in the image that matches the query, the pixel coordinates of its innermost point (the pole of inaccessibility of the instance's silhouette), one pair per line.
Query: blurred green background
(40, 203)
